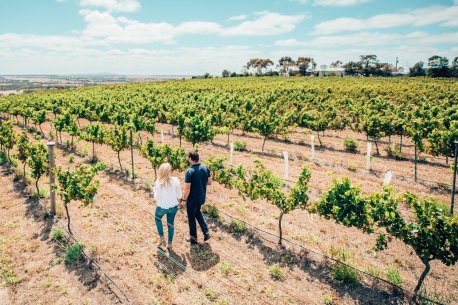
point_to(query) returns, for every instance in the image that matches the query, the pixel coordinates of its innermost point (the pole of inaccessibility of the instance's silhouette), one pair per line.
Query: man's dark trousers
(194, 214)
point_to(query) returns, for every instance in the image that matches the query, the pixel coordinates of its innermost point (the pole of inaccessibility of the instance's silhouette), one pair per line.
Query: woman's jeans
(171, 212)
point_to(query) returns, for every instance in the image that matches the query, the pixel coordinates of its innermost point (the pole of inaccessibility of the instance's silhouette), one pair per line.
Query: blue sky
(198, 36)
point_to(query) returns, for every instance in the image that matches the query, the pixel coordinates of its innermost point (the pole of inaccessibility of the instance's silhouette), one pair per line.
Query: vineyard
(327, 232)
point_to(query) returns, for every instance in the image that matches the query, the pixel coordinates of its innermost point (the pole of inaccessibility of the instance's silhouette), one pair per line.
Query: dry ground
(233, 267)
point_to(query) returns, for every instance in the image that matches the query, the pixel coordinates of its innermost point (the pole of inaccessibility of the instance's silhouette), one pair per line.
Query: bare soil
(118, 230)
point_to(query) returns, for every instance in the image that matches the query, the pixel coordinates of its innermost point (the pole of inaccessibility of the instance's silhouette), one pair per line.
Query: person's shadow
(171, 262)
(201, 257)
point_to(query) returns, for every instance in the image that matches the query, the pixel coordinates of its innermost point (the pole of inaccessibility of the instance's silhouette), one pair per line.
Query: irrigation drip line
(152, 246)
(138, 235)
(305, 248)
(329, 258)
(246, 268)
(56, 220)
(313, 251)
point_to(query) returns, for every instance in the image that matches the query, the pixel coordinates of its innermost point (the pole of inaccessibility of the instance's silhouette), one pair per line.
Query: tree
(438, 66)
(368, 63)
(153, 153)
(417, 69)
(39, 118)
(77, 185)
(23, 149)
(38, 162)
(336, 64)
(94, 133)
(226, 73)
(198, 129)
(285, 63)
(266, 124)
(429, 229)
(7, 137)
(259, 64)
(454, 69)
(352, 68)
(304, 63)
(118, 140)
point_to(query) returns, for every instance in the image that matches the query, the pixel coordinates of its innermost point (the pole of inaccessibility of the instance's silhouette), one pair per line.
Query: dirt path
(121, 230)
(32, 266)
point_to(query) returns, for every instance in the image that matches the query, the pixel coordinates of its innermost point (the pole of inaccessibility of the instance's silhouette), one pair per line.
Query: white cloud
(113, 5)
(237, 18)
(369, 39)
(103, 25)
(331, 2)
(268, 23)
(445, 16)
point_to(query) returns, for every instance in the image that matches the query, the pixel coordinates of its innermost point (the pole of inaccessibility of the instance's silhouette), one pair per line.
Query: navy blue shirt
(197, 175)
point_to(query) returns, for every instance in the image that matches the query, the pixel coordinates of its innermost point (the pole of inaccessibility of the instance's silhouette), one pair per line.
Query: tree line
(366, 65)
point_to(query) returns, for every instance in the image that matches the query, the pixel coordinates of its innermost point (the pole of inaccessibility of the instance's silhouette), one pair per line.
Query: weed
(225, 267)
(73, 252)
(238, 226)
(56, 261)
(42, 193)
(211, 295)
(277, 273)
(239, 145)
(342, 274)
(394, 152)
(350, 145)
(211, 211)
(57, 234)
(328, 300)
(92, 249)
(393, 276)
(373, 271)
(352, 166)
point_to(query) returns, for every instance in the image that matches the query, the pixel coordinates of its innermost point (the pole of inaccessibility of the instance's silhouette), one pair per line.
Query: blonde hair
(164, 175)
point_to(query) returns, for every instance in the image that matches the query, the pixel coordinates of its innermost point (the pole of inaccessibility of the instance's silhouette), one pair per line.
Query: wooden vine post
(52, 194)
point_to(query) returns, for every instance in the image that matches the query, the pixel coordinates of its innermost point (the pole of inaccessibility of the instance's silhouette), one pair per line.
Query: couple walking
(168, 195)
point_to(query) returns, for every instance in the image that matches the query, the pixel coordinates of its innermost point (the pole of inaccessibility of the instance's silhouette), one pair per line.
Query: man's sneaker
(207, 236)
(191, 240)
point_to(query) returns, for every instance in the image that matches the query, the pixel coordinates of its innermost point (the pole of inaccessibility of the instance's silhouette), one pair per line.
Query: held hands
(181, 203)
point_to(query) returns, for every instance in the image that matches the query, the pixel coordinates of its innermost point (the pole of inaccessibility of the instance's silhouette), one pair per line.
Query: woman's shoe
(169, 247)
(161, 243)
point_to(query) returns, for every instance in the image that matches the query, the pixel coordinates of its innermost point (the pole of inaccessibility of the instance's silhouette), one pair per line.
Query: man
(196, 179)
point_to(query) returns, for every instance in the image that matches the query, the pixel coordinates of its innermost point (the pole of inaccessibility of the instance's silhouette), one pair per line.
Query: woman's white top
(167, 197)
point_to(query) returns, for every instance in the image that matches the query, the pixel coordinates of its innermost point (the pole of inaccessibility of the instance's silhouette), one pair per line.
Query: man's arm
(187, 189)
(210, 181)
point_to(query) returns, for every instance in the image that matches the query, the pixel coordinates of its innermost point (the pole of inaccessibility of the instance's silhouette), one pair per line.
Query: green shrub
(58, 234)
(3, 158)
(42, 193)
(328, 300)
(394, 276)
(394, 152)
(211, 211)
(342, 274)
(239, 145)
(211, 295)
(277, 273)
(238, 226)
(225, 267)
(73, 252)
(350, 145)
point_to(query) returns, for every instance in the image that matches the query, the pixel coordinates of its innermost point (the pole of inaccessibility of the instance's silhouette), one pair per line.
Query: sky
(190, 37)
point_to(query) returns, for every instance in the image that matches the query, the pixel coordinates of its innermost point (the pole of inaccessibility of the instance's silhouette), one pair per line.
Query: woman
(167, 192)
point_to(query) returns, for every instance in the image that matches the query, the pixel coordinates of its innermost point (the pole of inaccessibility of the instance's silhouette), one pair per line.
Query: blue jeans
(171, 212)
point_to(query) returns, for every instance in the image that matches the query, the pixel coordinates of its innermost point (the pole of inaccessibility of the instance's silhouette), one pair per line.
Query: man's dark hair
(194, 156)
